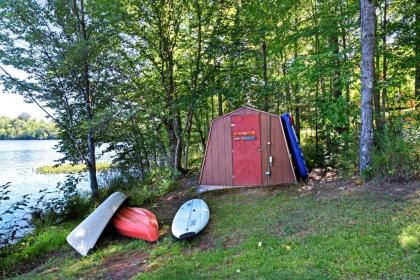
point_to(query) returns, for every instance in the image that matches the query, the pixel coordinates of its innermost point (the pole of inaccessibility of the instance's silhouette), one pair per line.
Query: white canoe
(85, 235)
(190, 219)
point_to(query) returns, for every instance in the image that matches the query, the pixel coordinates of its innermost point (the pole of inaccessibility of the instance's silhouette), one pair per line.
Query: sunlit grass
(277, 235)
(288, 237)
(71, 168)
(410, 236)
(41, 243)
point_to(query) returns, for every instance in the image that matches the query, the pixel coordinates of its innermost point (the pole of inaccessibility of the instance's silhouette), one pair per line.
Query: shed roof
(246, 107)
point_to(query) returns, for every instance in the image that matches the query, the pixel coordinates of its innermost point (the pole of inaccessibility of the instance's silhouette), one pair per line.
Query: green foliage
(45, 240)
(11, 228)
(64, 203)
(26, 128)
(161, 180)
(398, 153)
(71, 168)
(67, 49)
(154, 94)
(78, 206)
(157, 183)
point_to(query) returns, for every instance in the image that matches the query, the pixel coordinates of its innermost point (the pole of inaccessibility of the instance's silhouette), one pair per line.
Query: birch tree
(367, 24)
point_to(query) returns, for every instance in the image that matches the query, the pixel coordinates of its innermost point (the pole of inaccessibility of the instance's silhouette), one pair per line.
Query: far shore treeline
(26, 128)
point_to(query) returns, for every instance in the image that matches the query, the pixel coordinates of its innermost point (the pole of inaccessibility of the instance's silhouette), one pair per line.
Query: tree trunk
(377, 92)
(188, 127)
(367, 11)
(207, 120)
(317, 47)
(92, 165)
(91, 162)
(336, 83)
(178, 145)
(297, 122)
(347, 83)
(264, 68)
(295, 86)
(163, 150)
(287, 88)
(212, 107)
(417, 82)
(173, 121)
(200, 132)
(384, 65)
(194, 85)
(220, 103)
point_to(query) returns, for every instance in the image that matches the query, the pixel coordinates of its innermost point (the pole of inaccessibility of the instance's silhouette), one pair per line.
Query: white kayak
(190, 219)
(85, 235)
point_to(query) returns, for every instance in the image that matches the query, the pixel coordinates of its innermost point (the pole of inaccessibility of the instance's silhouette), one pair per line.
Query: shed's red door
(246, 154)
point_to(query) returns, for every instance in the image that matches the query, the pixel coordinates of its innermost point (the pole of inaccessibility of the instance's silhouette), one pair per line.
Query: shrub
(340, 152)
(397, 155)
(64, 203)
(156, 183)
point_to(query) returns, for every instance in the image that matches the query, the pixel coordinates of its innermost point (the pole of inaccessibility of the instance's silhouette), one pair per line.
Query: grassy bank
(277, 233)
(71, 168)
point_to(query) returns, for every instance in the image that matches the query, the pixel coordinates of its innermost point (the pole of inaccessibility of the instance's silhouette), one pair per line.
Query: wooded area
(26, 128)
(148, 77)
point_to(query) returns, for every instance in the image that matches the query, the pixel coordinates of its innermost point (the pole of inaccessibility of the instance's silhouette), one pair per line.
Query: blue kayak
(297, 155)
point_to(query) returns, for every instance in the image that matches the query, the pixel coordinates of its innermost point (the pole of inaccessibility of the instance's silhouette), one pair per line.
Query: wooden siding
(281, 170)
(217, 167)
(265, 149)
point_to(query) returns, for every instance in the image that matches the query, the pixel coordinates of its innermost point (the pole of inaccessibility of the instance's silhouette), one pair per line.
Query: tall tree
(384, 60)
(377, 90)
(367, 24)
(64, 48)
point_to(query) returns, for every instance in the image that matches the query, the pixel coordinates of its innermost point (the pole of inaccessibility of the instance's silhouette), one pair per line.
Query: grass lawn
(270, 233)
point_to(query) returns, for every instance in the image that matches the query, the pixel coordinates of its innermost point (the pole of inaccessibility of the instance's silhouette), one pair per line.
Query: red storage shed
(246, 147)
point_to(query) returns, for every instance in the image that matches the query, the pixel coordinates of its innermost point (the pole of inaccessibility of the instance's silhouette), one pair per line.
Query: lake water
(18, 162)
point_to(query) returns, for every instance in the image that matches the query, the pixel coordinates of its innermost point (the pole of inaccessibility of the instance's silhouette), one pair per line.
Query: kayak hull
(137, 223)
(190, 219)
(296, 151)
(84, 236)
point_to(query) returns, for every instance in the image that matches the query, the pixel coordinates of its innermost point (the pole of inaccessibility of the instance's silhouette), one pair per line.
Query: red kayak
(138, 223)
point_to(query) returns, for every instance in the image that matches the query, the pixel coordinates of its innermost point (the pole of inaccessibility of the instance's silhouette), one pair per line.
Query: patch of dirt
(206, 243)
(166, 206)
(248, 194)
(119, 266)
(124, 265)
(202, 242)
(328, 182)
(398, 190)
(232, 241)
